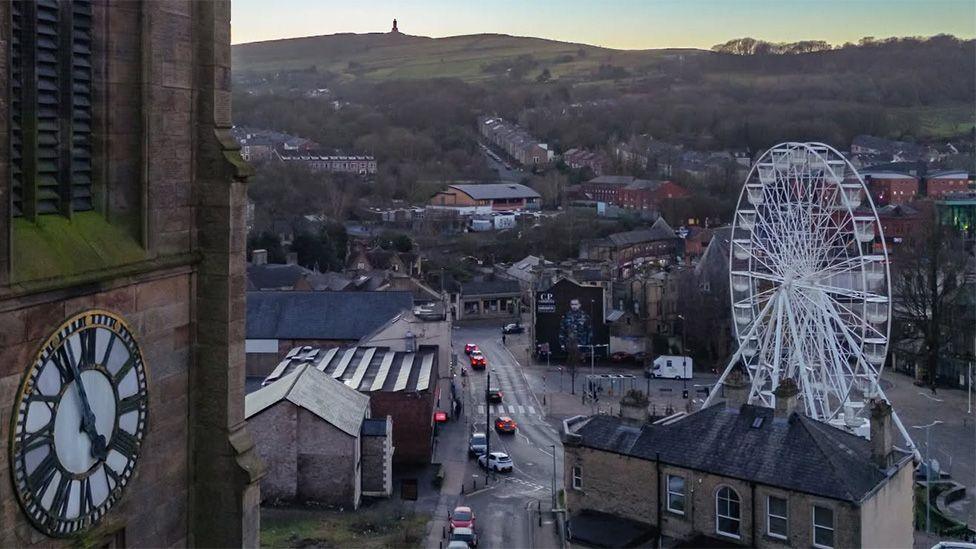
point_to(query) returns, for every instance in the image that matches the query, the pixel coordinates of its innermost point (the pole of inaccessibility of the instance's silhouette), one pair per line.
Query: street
(508, 509)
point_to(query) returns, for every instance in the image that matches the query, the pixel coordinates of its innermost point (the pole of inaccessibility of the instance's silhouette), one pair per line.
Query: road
(511, 175)
(507, 511)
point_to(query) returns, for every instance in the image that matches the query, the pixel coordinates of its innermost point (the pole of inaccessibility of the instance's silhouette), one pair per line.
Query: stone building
(740, 475)
(123, 205)
(311, 430)
(657, 243)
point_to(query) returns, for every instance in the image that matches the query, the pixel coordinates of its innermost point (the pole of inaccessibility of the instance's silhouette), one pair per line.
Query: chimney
(736, 389)
(291, 258)
(881, 443)
(259, 257)
(634, 406)
(785, 394)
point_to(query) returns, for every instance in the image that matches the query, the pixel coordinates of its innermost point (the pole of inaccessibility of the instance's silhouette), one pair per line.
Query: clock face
(78, 423)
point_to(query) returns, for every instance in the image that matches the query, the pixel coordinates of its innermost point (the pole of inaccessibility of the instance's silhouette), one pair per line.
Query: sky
(623, 24)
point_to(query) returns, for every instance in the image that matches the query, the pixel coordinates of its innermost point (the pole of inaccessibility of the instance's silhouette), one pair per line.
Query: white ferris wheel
(810, 285)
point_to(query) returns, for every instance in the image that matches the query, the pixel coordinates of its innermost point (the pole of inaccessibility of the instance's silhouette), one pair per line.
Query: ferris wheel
(810, 284)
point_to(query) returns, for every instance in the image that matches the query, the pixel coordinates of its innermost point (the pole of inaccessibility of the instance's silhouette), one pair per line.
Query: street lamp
(553, 446)
(487, 423)
(928, 472)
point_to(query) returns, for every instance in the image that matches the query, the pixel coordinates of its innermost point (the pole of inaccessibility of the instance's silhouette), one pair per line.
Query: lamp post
(487, 423)
(553, 446)
(928, 472)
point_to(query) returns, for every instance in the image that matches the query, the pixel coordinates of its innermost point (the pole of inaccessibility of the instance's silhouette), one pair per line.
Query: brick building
(516, 142)
(658, 243)
(632, 193)
(582, 158)
(733, 475)
(311, 431)
(940, 184)
(400, 384)
(891, 187)
(124, 206)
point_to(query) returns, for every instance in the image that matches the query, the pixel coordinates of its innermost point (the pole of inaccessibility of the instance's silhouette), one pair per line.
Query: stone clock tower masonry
(122, 198)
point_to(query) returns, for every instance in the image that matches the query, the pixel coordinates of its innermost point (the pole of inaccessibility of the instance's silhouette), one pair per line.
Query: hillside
(381, 56)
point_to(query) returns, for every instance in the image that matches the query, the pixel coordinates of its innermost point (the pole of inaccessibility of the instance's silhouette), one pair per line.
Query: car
(470, 348)
(640, 357)
(465, 535)
(621, 356)
(478, 360)
(515, 328)
(477, 444)
(462, 517)
(496, 461)
(495, 395)
(505, 424)
(458, 544)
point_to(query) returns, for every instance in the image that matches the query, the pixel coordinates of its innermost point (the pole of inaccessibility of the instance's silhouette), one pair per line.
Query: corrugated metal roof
(490, 191)
(366, 369)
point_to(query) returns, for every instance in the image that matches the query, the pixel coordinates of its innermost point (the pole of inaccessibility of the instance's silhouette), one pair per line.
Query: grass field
(368, 527)
(383, 56)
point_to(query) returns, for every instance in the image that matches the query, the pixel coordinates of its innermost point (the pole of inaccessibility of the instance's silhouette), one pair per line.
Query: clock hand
(98, 449)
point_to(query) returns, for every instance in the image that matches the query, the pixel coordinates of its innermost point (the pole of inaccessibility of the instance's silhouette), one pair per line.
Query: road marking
(926, 395)
(521, 410)
(532, 410)
(481, 409)
(511, 409)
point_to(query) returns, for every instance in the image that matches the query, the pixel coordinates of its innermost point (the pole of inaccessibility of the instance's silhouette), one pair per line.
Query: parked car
(478, 361)
(470, 348)
(497, 461)
(505, 424)
(458, 544)
(670, 367)
(641, 356)
(495, 394)
(621, 356)
(515, 328)
(462, 517)
(477, 444)
(465, 535)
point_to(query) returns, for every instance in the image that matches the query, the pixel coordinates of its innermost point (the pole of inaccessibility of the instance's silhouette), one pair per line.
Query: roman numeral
(41, 437)
(63, 363)
(42, 475)
(87, 503)
(108, 348)
(87, 347)
(124, 443)
(59, 505)
(132, 403)
(120, 375)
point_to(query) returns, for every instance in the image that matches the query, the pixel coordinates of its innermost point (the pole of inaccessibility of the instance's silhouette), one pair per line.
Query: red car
(505, 424)
(478, 360)
(462, 517)
(470, 348)
(621, 356)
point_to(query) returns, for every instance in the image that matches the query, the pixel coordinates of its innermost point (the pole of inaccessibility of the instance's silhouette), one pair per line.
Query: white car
(497, 461)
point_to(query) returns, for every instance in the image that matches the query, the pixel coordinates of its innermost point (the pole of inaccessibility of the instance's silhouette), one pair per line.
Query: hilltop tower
(395, 30)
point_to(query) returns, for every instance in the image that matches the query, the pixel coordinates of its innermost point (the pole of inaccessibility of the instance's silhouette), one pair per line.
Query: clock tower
(122, 279)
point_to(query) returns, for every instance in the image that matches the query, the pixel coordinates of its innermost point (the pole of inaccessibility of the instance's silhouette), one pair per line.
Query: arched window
(727, 512)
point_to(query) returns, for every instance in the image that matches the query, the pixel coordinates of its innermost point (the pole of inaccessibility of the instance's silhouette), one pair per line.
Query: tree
(927, 271)
(544, 76)
(315, 252)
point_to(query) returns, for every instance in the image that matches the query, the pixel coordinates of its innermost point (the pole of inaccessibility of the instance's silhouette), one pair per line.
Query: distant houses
(516, 142)
(321, 161)
(632, 193)
(260, 145)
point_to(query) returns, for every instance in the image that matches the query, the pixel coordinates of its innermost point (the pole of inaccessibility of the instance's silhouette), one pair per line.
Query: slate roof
(315, 391)
(365, 369)
(321, 315)
(798, 453)
(491, 191)
(374, 427)
(490, 287)
(660, 230)
(274, 276)
(612, 180)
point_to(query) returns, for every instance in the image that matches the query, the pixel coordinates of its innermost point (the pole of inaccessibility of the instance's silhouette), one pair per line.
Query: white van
(671, 367)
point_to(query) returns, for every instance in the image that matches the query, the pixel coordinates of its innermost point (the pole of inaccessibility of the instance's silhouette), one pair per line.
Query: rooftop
(797, 453)
(492, 191)
(365, 369)
(490, 287)
(321, 315)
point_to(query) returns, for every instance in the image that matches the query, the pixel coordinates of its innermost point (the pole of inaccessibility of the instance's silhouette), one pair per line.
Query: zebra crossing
(510, 409)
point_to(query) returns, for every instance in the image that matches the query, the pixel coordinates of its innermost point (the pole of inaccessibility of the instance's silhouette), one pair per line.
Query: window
(50, 107)
(577, 477)
(727, 512)
(823, 527)
(676, 494)
(777, 511)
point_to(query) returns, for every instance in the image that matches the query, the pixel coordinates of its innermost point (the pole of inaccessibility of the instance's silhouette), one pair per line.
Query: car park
(477, 444)
(462, 517)
(497, 461)
(514, 328)
(470, 348)
(478, 360)
(505, 424)
(495, 395)
(465, 535)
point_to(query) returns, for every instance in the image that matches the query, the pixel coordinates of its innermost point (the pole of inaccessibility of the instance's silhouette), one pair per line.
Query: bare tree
(926, 272)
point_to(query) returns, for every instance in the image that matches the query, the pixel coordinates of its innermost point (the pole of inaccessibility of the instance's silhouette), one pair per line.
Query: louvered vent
(51, 112)
(81, 115)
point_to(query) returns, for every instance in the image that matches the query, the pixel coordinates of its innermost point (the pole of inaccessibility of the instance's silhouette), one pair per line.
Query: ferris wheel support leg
(738, 354)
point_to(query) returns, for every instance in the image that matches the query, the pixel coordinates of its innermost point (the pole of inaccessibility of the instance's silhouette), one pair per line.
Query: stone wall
(611, 483)
(275, 430)
(377, 461)
(328, 462)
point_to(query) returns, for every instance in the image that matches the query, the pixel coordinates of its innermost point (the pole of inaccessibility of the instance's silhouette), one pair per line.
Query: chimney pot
(736, 389)
(291, 258)
(881, 437)
(786, 396)
(259, 257)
